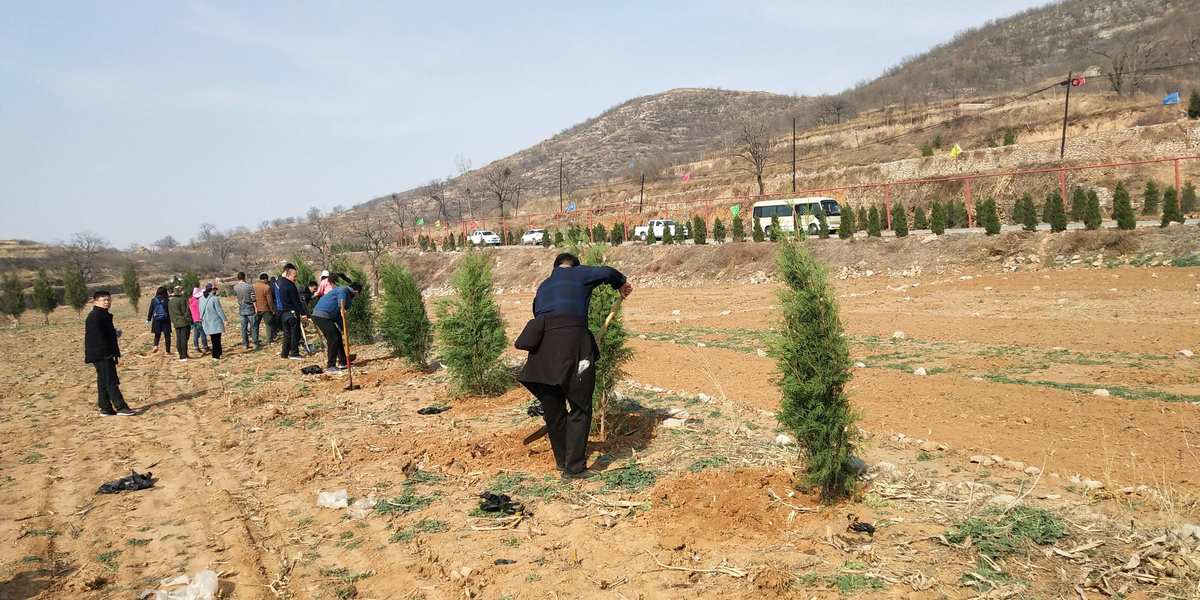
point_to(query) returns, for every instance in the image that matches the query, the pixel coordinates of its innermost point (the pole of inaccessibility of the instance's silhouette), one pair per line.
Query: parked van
(789, 210)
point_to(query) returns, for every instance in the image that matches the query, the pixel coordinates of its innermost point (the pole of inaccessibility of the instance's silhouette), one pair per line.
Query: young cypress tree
(719, 231)
(359, 319)
(599, 234)
(937, 218)
(919, 220)
(450, 243)
(405, 327)
(883, 219)
(668, 237)
(1150, 197)
(548, 239)
(470, 331)
(900, 220)
(822, 222)
(1091, 213)
(614, 348)
(813, 361)
(12, 297)
(1170, 207)
(1187, 201)
(617, 236)
(679, 232)
(1058, 216)
(848, 224)
(776, 232)
(699, 231)
(75, 291)
(558, 239)
(44, 298)
(304, 271)
(757, 234)
(990, 217)
(873, 226)
(130, 285)
(1123, 208)
(1048, 207)
(737, 228)
(1029, 216)
(1193, 108)
(1078, 204)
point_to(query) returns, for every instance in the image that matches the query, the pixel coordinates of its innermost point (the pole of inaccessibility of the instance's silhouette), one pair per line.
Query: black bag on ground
(531, 335)
(311, 370)
(132, 482)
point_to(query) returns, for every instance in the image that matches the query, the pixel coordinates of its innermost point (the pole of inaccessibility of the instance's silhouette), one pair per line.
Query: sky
(136, 120)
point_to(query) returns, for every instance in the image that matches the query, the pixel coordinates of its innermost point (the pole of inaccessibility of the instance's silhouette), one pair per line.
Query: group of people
(200, 317)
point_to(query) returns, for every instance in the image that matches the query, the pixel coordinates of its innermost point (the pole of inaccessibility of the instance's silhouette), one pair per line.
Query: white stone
(673, 423)
(966, 278)
(675, 313)
(885, 467)
(1003, 500)
(898, 335)
(784, 439)
(980, 459)
(1032, 470)
(1103, 393)
(1092, 484)
(726, 312)
(701, 345)
(860, 365)
(1015, 465)
(1186, 353)
(704, 397)
(998, 458)
(760, 352)
(920, 371)
(678, 413)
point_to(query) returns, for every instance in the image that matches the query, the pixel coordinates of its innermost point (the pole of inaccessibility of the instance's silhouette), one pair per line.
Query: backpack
(160, 309)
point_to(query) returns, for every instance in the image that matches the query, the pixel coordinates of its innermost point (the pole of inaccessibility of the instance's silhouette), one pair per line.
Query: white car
(653, 230)
(483, 237)
(533, 237)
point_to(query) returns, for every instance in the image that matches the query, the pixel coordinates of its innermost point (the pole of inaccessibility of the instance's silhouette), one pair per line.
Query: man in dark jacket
(100, 350)
(292, 310)
(561, 370)
(181, 320)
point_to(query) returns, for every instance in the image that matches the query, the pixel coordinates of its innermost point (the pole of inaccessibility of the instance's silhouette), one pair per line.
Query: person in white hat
(324, 285)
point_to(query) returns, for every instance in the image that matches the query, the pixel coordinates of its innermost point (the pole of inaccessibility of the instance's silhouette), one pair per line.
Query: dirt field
(241, 449)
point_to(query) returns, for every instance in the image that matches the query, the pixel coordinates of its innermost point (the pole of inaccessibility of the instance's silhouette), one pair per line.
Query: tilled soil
(713, 508)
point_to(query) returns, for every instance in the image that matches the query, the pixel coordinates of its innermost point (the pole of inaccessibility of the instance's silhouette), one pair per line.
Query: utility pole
(642, 194)
(793, 155)
(1062, 149)
(560, 195)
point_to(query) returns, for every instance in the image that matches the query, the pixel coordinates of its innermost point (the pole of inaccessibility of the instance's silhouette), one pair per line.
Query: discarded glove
(499, 503)
(133, 482)
(535, 410)
(311, 370)
(433, 410)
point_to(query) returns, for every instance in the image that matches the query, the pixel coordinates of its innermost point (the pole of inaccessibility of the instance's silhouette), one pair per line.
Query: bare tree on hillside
(166, 244)
(751, 143)
(314, 214)
(374, 237)
(500, 182)
(402, 213)
(82, 251)
(264, 225)
(835, 108)
(1126, 64)
(435, 191)
(247, 252)
(319, 236)
(220, 245)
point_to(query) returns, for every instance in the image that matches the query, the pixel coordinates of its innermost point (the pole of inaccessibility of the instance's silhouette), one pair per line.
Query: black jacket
(99, 336)
(290, 297)
(565, 341)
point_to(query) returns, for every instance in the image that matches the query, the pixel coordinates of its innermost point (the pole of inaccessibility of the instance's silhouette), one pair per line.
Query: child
(100, 350)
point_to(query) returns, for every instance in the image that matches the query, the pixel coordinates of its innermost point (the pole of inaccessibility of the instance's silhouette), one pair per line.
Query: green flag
(420, 221)
(735, 209)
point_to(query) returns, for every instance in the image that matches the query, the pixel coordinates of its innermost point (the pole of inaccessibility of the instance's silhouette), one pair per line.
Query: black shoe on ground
(107, 413)
(584, 474)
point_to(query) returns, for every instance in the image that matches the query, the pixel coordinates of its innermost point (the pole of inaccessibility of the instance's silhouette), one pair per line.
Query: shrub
(130, 285)
(937, 218)
(614, 348)
(1053, 213)
(699, 231)
(405, 324)
(926, 150)
(190, 281)
(990, 218)
(667, 236)
(737, 229)
(813, 362)
(679, 235)
(1193, 108)
(718, 231)
(44, 298)
(1078, 204)
(617, 235)
(12, 296)
(1010, 136)
(1170, 207)
(900, 220)
(1029, 216)
(919, 220)
(1187, 201)
(558, 239)
(75, 291)
(470, 331)
(873, 226)
(1150, 197)
(757, 234)
(775, 233)
(847, 226)
(1123, 208)
(1091, 212)
(599, 235)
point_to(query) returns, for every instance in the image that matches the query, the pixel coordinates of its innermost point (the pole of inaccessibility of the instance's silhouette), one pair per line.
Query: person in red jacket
(100, 349)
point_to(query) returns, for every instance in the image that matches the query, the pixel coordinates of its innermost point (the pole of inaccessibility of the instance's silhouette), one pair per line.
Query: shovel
(612, 311)
(346, 346)
(304, 335)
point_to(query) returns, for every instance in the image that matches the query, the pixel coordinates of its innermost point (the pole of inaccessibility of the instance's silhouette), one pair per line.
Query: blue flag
(570, 207)
(1172, 98)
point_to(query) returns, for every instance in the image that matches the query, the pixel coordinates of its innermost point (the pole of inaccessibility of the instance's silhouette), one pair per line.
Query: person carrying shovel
(328, 316)
(561, 369)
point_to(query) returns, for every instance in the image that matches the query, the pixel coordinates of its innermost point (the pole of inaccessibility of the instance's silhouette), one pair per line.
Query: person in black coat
(561, 369)
(100, 349)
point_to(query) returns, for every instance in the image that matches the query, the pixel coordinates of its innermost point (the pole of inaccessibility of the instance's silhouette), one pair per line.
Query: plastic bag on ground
(362, 507)
(202, 587)
(335, 499)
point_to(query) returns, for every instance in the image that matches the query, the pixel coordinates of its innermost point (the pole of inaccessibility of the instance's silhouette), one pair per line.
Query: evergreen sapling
(1170, 207)
(44, 298)
(718, 231)
(737, 229)
(873, 226)
(614, 348)
(920, 222)
(405, 327)
(75, 291)
(1091, 212)
(130, 285)
(1078, 204)
(1187, 201)
(847, 225)
(900, 220)
(937, 219)
(12, 297)
(1029, 215)
(360, 321)
(470, 331)
(758, 231)
(1150, 197)
(990, 217)
(1123, 208)
(699, 231)
(776, 233)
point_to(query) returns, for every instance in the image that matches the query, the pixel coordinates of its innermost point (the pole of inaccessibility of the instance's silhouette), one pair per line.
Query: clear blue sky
(137, 120)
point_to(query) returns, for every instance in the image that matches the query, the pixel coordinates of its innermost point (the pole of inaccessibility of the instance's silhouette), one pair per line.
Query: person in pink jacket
(197, 329)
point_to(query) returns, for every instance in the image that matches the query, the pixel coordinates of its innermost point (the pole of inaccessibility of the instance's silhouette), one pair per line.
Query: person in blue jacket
(159, 318)
(327, 314)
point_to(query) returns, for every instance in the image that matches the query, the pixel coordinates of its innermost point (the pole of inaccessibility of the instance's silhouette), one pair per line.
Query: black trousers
(108, 386)
(163, 329)
(181, 340)
(291, 334)
(568, 431)
(335, 349)
(216, 345)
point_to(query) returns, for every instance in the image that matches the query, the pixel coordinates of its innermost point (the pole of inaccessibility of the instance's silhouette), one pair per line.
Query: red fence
(632, 212)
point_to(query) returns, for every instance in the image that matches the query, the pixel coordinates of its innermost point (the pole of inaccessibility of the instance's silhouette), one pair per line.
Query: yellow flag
(955, 151)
